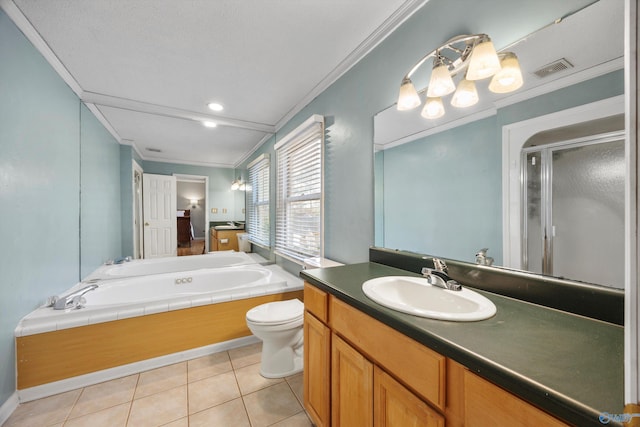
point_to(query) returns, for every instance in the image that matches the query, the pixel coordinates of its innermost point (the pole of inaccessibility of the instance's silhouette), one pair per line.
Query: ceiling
(148, 68)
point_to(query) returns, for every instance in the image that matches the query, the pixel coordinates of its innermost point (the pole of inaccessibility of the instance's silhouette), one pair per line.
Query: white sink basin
(415, 295)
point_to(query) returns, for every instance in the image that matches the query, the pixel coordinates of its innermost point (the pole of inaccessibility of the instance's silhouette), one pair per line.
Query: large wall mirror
(476, 178)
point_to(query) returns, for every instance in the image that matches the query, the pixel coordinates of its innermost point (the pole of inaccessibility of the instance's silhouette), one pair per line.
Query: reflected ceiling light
(209, 124)
(471, 55)
(215, 106)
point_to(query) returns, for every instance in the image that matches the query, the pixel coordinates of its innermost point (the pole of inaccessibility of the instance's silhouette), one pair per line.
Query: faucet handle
(440, 265)
(482, 252)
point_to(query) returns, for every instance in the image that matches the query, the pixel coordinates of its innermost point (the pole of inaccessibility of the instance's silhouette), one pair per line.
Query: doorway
(192, 195)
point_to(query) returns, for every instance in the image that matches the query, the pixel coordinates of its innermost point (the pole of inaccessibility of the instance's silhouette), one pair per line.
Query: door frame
(514, 136)
(181, 177)
(138, 229)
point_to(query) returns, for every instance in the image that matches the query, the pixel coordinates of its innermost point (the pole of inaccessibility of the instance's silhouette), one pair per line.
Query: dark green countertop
(569, 365)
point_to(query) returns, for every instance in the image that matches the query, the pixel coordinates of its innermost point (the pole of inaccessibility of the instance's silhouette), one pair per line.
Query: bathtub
(143, 267)
(127, 320)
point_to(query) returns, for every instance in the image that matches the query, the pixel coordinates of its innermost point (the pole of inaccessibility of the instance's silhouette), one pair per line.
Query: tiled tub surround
(55, 345)
(568, 365)
(144, 267)
(220, 389)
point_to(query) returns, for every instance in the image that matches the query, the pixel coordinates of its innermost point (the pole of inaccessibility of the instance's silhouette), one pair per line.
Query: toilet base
(279, 362)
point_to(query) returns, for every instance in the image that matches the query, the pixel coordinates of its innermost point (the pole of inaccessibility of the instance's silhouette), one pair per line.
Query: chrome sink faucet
(73, 300)
(439, 276)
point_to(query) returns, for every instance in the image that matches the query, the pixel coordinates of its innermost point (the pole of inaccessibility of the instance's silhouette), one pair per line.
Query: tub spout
(72, 300)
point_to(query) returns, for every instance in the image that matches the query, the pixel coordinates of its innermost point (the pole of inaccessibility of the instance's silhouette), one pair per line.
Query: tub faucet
(439, 276)
(482, 258)
(73, 300)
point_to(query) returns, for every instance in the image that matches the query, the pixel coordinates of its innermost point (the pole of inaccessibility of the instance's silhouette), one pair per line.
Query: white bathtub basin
(416, 296)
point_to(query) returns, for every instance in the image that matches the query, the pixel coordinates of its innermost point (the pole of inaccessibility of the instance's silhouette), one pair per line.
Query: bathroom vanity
(224, 238)
(527, 365)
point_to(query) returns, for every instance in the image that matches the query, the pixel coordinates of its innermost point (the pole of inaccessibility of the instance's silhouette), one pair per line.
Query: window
(258, 201)
(299, 196)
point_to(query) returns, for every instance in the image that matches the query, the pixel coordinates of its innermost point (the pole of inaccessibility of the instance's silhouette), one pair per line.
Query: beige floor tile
(208, 366)
(43, 412)
(247, 355)
(161, 379)
(212, 391)
(160, 408)
(105, 395)
(271, 405)
(296, 382)
(229, 414)
(182, 422)
(115, 416)
(250, 380)
(298, 420)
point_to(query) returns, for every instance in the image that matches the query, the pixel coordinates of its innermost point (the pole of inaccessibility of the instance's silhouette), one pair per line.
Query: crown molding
(24, 25)
(382, 32)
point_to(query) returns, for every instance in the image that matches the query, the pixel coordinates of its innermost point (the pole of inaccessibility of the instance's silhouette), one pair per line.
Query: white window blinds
(258, 201)
(299, 157)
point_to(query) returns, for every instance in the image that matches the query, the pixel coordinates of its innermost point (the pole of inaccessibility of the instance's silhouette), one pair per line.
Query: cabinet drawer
(316, 302)
(488, 405)
(419, 368)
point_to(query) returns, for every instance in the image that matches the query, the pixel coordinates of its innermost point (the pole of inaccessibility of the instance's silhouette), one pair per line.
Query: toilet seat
(276, 313)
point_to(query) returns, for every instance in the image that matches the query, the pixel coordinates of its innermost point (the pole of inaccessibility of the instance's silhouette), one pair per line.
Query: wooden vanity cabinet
(224, 240)
(344, 378)
(360, 372)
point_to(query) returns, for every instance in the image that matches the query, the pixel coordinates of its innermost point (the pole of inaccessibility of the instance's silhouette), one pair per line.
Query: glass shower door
(574, 223)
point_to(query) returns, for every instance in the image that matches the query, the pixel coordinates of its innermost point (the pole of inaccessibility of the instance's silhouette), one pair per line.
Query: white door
(159, 206)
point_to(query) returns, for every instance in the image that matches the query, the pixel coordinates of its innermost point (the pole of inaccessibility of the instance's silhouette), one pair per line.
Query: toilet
(279, 326)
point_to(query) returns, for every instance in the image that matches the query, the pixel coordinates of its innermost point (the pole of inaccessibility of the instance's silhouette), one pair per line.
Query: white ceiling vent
(558, 65)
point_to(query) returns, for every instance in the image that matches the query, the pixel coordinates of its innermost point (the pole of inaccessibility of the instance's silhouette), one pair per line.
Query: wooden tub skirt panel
(53, 356)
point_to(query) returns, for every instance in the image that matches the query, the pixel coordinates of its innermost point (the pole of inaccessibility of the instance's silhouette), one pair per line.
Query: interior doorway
(192, 195)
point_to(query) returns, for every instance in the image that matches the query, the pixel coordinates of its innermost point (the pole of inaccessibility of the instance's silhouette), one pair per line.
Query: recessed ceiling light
(215, 106)
(209, 124)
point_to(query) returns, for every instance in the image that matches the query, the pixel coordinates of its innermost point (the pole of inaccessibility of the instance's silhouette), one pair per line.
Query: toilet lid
(276, 312)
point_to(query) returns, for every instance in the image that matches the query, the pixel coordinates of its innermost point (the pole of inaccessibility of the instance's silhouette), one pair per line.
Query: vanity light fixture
(477, 58)
(238, 184)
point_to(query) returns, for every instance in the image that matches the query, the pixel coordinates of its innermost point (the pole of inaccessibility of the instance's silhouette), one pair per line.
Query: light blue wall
(372, 85)
(40, 189)
(100, 225)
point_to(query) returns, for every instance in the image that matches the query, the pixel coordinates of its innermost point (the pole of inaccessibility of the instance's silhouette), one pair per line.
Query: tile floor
(222, 389)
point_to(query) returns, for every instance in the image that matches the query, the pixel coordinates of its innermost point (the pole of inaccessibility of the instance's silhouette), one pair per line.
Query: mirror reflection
(537, 176)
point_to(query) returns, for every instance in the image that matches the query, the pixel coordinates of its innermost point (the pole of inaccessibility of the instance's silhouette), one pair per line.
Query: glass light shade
(433, 108)
(209, 124)
(408, 97)
(466, 95)
(235, 185)
(441, 83)
(484, 61)
(509, 78)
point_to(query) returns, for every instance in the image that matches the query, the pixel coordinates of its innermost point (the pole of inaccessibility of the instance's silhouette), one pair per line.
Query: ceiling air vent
(154, 150)
(558, 65)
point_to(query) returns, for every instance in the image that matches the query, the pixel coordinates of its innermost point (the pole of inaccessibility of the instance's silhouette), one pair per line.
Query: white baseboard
(45, 390)
(8, 407)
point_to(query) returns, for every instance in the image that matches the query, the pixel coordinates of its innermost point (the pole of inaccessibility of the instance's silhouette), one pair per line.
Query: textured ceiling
(151, 66)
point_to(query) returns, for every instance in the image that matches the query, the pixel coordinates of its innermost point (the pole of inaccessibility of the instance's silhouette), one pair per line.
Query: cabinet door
(395, 406)
(351, 386)
(317, 365)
